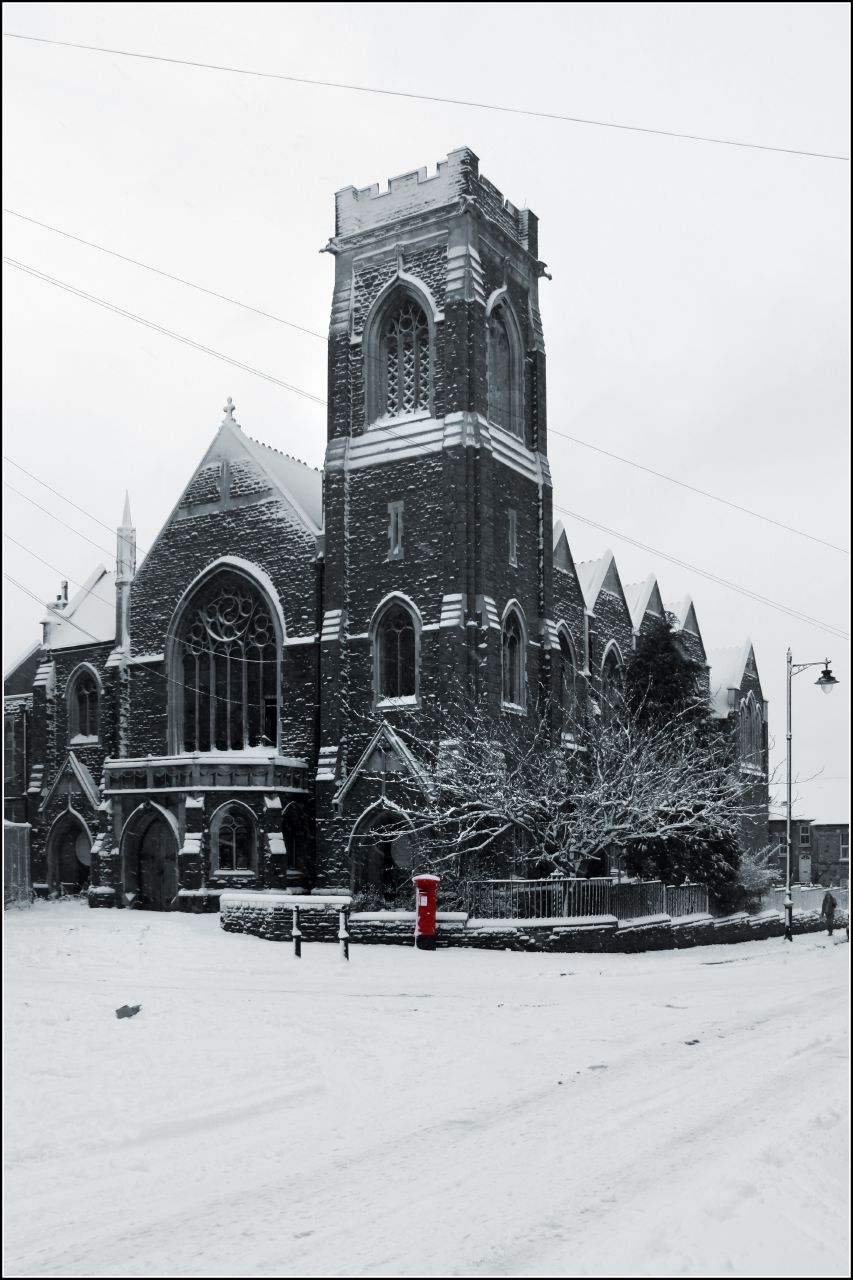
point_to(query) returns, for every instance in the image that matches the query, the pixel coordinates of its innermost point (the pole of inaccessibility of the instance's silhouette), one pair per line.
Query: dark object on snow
(828, 909)
(128, 1010)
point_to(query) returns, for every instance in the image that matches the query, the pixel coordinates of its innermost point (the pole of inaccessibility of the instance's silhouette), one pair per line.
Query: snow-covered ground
(456, 1113)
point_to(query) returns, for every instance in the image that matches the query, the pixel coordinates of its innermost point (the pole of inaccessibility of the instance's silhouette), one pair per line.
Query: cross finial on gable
(229, 413)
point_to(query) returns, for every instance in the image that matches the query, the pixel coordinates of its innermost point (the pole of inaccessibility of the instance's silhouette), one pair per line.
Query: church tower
(437, 490)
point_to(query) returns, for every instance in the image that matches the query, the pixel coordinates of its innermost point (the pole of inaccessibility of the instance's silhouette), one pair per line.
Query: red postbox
(426, 887)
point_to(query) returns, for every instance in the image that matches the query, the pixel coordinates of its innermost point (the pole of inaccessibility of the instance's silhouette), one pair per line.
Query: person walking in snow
(828, 910)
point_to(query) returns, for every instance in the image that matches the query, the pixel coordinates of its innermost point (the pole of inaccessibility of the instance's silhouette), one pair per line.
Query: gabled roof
(643, 598)
(562, 552)
(685, 615)
(600, 575)
(727, 670)
(394, 744)
(74, 768)
(88, 618)
(257, 467)
(18, 678)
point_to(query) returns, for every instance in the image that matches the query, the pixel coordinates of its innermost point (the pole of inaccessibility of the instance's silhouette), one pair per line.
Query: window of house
(396, 655)
(228, 660)
(405, 360)
(513, 669)
(513, 536)
(83, 706)
(395, 530)
(805, 835)
(844, 838)
(233, 840)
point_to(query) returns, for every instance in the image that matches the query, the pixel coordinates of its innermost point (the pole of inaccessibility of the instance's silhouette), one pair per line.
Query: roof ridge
(281, 452)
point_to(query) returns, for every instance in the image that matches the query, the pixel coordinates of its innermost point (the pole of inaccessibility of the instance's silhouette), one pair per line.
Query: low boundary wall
(270, 916)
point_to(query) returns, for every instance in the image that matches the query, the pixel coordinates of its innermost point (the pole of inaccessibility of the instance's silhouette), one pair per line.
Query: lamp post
(826, 682)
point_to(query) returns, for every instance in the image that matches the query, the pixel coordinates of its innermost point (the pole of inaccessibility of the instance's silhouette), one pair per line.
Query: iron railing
(686, 900)
(567, 898)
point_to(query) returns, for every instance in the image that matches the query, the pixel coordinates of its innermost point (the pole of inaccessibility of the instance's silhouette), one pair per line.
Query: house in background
(820, 851)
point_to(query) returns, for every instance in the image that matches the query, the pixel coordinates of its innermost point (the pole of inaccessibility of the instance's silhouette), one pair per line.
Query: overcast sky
(697, 320)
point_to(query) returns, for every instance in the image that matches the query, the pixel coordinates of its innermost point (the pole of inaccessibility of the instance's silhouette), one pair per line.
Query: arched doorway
(69, 855)
(149, 849)
(382, 857)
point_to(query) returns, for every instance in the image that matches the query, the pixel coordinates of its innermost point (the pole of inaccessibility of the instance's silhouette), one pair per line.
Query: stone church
(229, 712)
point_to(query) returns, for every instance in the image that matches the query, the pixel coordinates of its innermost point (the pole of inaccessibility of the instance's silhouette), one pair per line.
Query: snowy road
(410, 1114)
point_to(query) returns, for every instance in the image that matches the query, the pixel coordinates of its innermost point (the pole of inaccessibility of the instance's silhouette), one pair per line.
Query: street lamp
(826, 681)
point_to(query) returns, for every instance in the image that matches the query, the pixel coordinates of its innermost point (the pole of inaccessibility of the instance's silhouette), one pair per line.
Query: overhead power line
(714, 497)
(652, 550)
(428, 97)
(58, 519)
(705, 573)
(150, 324)
(109, 527)
(167, 275)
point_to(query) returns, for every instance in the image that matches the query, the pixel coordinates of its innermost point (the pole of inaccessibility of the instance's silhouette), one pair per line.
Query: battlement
(456, 178)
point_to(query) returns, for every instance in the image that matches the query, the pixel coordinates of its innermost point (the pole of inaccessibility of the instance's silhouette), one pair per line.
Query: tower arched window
(83, 699)
(396, 653)
(404, 357)
(227, 662)
(504, 372)
(233, 840)
(513, 660)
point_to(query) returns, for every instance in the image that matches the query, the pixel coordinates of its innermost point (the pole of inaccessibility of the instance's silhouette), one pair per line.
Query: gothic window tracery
(405, 359)
(228, 660)
(750, 726)
(233, 840)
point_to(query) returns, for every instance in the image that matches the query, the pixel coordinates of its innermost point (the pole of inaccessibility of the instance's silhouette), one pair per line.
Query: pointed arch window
(404, 358)
(83, 700)
(569, 700)
(227, 663)
(504, 373)
(612, 681)
(233, 840)
(513, 663)
(750, 731)
(396, 655)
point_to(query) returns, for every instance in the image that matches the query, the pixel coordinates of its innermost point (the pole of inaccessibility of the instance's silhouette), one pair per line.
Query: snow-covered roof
(88, 618)
(595, 576)
(642, 598)
(726, 672)
(18, 676)
(301, 485)
(562, 552)
(685, 615)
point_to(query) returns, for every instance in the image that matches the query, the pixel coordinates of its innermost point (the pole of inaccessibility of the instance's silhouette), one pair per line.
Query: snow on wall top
(88, 618)
(727, 667)
(457, 177)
